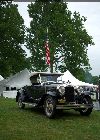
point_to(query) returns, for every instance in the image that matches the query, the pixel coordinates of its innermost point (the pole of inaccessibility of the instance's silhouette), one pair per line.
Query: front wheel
(50, 106)
(20, 103)
(86, 111)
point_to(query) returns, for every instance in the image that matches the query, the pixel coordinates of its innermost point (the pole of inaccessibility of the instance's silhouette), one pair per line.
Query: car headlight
(61, 90)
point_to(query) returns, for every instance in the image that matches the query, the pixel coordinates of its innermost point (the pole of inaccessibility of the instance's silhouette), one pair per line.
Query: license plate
(61, 101)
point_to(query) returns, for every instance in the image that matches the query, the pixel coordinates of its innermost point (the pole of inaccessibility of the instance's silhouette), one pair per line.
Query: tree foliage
(68, 38)
(95, 80)
(12, 32)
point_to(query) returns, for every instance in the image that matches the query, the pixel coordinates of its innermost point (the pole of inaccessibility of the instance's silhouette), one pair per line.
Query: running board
(30, 104)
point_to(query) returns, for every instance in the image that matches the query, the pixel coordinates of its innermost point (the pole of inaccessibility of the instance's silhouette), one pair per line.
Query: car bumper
(73, 106)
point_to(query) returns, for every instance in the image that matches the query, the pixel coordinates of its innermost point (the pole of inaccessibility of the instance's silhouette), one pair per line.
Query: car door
(37, 90)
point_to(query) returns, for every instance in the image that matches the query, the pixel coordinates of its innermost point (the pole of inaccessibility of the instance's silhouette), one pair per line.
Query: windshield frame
(49, 78)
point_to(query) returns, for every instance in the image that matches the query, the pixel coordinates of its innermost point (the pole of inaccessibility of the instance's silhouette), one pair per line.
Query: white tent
(19, 80)
(68, 77)
(2, 86)
(1, 78)
(2, 81)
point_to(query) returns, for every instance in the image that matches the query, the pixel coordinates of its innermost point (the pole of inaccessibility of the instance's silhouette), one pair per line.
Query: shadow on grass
(59, 113)
(38, 111)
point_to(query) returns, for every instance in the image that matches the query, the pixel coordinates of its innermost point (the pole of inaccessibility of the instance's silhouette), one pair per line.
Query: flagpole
(48, 43)
(47, 33)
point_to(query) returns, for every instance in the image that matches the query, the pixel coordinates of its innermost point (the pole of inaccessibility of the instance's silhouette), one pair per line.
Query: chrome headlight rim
(61, 90)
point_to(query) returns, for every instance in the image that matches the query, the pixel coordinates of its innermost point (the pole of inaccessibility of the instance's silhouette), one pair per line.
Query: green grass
(32, 124)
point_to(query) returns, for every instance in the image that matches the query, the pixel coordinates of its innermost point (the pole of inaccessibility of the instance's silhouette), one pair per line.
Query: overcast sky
(91, 10)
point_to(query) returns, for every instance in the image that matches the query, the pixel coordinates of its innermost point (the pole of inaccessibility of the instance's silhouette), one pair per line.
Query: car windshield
(48, 78)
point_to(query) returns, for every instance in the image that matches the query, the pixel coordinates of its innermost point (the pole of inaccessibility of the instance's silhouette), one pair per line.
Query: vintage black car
(45, 91)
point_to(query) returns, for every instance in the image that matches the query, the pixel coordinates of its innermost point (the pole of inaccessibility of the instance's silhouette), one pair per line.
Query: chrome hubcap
(85, 102)
(19, 103)
(49, 107)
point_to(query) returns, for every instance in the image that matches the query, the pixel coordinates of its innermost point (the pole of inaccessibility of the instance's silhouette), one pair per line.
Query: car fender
(19, 94)
(88, 93)
(41, 102)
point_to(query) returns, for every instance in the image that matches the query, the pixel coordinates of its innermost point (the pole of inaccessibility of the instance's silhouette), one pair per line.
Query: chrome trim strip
(30, 104)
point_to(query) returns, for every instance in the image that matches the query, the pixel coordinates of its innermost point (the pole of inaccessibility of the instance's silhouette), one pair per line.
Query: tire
(50, 106)
(20, 104)
(86, 111)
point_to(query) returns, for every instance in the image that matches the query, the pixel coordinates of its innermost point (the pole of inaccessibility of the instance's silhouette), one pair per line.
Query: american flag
(47, 53)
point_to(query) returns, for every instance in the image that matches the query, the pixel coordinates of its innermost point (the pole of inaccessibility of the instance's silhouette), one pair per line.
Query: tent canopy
(1, 78)
(68, 77)
(19, 80)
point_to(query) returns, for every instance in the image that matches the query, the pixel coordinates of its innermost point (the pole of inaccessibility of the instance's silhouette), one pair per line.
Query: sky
(90, 10)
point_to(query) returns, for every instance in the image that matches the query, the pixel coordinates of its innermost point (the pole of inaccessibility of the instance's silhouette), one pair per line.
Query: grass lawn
(32, 124)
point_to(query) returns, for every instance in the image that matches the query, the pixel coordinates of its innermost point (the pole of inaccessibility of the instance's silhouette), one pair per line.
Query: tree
(12, 32)
(87, 76)
(95, 80)
(68, 39)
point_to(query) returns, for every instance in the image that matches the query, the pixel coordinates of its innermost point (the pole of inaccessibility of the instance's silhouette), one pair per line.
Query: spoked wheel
(86, 111)
(20, 104)
(50, 106)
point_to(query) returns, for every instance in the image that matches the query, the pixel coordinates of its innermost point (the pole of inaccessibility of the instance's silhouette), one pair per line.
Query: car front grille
(69, 94)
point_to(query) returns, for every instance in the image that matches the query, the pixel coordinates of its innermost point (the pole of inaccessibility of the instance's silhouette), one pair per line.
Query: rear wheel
(50, 106)
(20, 103)
(86, 111)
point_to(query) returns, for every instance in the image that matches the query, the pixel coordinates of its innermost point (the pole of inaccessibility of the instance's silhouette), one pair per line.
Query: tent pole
(99, 88)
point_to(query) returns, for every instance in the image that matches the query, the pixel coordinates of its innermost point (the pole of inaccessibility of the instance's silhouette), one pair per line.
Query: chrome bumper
(73, 106)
